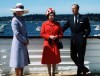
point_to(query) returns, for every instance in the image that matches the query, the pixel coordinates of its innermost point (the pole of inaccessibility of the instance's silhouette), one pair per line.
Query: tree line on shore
(59, 17)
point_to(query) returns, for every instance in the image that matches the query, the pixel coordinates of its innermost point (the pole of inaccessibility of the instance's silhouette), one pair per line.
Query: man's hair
(76, 6)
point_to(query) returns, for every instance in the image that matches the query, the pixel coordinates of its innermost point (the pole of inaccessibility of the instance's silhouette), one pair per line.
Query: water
(32, 25)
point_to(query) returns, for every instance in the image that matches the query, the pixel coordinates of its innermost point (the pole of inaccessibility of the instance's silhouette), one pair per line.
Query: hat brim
(24, 10)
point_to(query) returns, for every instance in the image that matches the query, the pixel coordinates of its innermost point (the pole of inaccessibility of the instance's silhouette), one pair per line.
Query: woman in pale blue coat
(19, 57)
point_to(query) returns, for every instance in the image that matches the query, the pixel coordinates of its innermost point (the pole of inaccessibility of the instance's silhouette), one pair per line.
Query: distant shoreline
(59, 17)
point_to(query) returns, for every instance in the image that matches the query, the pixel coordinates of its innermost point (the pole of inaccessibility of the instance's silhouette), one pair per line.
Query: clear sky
(60, 6)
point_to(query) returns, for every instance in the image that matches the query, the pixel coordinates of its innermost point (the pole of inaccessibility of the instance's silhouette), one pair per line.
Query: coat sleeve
(87, 28)
(60, 33)
(43, 33)
(66, 26)
(16, 31)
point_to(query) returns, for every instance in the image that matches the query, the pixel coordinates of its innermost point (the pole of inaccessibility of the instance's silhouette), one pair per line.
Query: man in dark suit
(80, 30)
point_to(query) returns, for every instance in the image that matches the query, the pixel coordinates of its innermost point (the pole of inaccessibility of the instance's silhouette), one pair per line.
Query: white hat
(19, 7)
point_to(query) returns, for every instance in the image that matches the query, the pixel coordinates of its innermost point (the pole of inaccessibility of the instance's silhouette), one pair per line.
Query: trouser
(78, 48)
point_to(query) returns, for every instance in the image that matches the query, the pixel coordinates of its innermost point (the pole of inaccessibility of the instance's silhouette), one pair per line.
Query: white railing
(92, 58)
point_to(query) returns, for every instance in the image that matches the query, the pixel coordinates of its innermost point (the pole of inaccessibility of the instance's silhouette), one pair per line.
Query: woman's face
(19, 13)
(51, 16)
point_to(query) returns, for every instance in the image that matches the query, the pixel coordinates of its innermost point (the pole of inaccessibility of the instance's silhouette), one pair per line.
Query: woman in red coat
(51, 31)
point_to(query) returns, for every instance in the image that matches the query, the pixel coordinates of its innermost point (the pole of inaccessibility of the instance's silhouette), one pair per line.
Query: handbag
(60, 45)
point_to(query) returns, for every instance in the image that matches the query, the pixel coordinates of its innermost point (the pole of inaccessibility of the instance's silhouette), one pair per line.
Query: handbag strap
(59, 38)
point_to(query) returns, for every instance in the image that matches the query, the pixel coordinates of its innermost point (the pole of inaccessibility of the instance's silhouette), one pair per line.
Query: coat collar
(50, 22)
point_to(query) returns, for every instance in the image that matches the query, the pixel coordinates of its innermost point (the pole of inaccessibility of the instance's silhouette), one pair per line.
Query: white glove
(51, 37)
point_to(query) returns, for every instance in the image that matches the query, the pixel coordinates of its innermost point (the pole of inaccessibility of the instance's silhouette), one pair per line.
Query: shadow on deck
(55, 75)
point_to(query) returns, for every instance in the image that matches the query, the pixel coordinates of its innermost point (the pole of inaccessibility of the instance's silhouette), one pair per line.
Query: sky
(60, 6)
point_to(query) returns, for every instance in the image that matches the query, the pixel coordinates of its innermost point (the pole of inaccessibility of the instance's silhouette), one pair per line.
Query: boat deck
(55, 75)
(92, 58)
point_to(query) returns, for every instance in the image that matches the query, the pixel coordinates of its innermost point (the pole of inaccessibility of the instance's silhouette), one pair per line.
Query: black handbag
(60, 45)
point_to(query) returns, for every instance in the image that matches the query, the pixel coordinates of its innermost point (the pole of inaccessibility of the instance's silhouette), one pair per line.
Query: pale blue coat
(19, 56)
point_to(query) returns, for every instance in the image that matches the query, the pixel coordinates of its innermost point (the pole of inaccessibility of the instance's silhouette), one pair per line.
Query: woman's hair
(14, 14)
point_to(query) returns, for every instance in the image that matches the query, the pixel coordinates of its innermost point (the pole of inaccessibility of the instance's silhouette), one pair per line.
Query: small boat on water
(38, 28)
(62, 21)
(35, 22)
(2, 28)
(32, 21)
(97, 35)
(97, 27)
(9, 21)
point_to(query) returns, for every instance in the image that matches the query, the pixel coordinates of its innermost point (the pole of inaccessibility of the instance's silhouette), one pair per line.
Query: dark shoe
(49, 74)
(79, 72)
(85, 70)
(53, 74)
(84, 73)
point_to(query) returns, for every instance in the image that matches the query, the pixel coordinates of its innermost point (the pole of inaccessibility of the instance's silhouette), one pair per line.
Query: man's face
(75, 10)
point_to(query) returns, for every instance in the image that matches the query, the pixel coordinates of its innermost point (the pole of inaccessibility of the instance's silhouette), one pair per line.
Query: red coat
(51, 54)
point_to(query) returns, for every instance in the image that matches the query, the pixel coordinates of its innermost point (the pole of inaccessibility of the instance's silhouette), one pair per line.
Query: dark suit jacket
(80, 32)
(82, 28)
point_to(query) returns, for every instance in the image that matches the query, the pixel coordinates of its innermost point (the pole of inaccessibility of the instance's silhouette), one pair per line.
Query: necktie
(75, 20)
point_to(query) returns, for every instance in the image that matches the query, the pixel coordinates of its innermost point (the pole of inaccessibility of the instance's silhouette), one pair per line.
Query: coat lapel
(78, 25)
(72, 23)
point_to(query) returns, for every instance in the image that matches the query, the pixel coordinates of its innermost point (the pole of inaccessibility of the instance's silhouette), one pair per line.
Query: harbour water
(33, 28)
